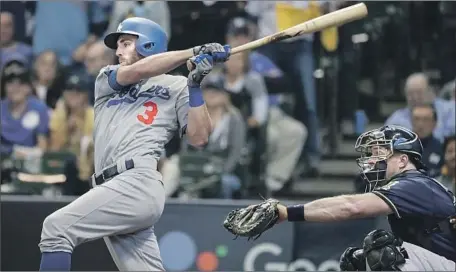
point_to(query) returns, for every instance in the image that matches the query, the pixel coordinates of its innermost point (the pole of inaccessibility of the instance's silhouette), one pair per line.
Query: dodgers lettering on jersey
(418, 203)
(137, 120)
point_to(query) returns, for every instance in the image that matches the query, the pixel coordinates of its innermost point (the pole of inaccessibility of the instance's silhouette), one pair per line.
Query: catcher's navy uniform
(422, 207)
(421, 238)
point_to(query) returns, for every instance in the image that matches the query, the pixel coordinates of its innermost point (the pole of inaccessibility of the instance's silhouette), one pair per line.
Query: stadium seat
(200, 173)
(34, 174)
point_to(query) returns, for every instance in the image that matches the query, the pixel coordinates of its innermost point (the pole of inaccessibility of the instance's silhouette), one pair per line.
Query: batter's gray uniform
(130, 124)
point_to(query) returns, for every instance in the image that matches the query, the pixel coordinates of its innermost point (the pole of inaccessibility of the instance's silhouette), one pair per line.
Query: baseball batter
(137, 109)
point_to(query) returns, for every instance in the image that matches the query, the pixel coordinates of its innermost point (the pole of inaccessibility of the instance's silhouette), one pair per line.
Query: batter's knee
(54, 235)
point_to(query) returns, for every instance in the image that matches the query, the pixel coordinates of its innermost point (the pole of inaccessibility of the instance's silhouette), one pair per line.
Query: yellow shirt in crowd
(291, 13)
(75, 136)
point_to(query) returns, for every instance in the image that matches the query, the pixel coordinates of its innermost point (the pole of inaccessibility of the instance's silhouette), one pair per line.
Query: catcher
(420, 210)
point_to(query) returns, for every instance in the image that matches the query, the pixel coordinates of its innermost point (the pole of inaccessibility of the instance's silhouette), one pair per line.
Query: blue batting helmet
(152, 39)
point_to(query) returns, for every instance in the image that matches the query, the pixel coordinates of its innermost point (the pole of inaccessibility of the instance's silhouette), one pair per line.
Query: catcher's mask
(378, 145)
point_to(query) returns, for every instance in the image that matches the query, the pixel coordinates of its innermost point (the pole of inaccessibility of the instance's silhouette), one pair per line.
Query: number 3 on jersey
(148, 116)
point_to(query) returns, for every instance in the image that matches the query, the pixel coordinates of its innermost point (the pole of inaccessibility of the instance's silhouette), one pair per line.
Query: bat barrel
(336, 18)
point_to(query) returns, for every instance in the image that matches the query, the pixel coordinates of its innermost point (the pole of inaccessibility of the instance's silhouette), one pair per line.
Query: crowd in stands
(51, 53)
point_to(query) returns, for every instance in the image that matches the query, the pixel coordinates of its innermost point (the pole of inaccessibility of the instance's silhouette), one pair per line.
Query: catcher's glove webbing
(252, 221)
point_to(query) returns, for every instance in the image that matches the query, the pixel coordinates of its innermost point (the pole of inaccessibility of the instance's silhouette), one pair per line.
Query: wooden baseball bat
(336, 18)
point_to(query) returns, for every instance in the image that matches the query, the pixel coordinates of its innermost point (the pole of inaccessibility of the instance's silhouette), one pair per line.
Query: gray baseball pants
(122, 211)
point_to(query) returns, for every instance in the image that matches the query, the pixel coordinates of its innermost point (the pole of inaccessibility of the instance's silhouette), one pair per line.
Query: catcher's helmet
(152, 39)
(386, 140)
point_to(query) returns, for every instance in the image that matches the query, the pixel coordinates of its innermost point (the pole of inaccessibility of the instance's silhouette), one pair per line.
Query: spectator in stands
(25, 119)
(228, 140)
(97, 57)
(448, 91)
(157, 11)
(240, 31)
(99, 14)
(448, 177)
(286, 136)
(295, 57)
(9, 47)
(19, 9)
(60, 26)
(80, 54)
(248, 93)
(71, 129)
(48, 78)
(244, 85)
(424, 120)
(418, 92)
(228, 135)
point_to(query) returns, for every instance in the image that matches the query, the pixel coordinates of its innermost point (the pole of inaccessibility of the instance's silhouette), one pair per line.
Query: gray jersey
(138, 120)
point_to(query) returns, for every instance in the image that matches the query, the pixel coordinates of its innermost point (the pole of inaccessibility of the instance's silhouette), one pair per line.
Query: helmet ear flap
(149, 45)
(145, 48)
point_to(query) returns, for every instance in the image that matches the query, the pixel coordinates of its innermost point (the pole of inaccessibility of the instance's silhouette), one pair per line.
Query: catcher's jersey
(136, 120)
(419, 204)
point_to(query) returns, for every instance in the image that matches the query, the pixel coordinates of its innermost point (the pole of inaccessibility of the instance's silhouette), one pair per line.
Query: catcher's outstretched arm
(337, 208)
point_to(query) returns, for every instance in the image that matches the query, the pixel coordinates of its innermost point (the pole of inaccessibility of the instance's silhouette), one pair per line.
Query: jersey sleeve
(182, 108)
(106, 82)
(406, 196)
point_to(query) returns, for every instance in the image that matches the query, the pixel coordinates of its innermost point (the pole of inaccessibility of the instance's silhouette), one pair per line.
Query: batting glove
(220, 53)
(202, 66)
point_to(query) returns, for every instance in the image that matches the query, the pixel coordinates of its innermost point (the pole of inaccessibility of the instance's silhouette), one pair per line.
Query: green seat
(32, 176)
(53, 163)
(200, 173)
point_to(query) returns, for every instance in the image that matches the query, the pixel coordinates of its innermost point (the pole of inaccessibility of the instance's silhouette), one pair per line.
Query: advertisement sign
(271, 252)
(321, 244)
(191, 237)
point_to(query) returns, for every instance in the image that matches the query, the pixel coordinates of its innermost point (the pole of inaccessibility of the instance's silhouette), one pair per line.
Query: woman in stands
(25, 119)
(48, 78)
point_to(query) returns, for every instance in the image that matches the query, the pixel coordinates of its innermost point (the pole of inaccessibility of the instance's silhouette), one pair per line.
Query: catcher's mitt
(252, 221)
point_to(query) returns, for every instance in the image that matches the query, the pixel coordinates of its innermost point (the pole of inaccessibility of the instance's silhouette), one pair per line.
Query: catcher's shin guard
(383, 251)
(352, 260)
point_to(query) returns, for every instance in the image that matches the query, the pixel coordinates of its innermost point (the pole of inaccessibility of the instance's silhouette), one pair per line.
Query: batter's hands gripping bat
(336, 18)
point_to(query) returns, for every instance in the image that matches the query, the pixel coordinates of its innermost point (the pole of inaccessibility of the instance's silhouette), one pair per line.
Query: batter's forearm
(199, 125)
(152, 66)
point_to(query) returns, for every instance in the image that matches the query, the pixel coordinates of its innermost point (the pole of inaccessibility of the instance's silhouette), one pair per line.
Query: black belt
(112, 171)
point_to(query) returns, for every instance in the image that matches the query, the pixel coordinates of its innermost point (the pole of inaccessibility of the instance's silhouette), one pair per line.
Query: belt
(112, 171)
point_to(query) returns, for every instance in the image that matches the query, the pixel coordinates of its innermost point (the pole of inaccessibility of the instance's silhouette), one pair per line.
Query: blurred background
(286, 115)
